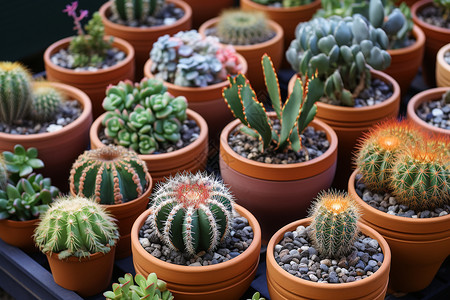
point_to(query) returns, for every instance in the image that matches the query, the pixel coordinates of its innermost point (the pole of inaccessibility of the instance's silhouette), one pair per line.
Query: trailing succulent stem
(136, 10)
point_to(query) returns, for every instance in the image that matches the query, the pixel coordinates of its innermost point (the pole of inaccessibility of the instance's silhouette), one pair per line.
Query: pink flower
(82, 15)
(71, 9)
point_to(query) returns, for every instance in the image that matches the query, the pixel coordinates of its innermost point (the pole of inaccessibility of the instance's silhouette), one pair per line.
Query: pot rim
(74, 259)
(440, 57)
(280, 10)
(419, 5)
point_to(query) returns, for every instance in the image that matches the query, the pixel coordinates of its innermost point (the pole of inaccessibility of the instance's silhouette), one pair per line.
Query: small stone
(437, 112)
(333, 278)
(313, 277)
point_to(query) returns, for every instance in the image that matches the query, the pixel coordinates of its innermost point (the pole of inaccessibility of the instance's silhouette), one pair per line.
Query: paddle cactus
(110, 175)
(334, 223)
(15, 91)
(191, 213)
(46, 102)
(295, 115)
(338, 50)
(76, 226)
(136, 10)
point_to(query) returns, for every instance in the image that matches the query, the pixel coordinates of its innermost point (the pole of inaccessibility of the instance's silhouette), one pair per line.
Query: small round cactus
(379, 148)
(46, 102)
(76, 226)
(334, 223)
(191, 212)
(15, 91)
(110, 174)
(136, 10)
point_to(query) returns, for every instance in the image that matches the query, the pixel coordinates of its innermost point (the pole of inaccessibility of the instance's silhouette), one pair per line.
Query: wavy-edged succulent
(192, 212)
(76, 226)
(46, 102)
(109, 175)
(339, 50)
(136, 10)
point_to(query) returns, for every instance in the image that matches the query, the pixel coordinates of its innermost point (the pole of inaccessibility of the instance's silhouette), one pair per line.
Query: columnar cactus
(76, 226)
(295, 115)
(191, 213)
(379, 148)
(334, 223)
(15, 91)
(110, 175)
(240, 27)
(46, 102)
(136, 10)
(338, 50)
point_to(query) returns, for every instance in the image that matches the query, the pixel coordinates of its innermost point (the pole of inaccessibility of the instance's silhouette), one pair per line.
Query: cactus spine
(334, 229)
(110, 174)
(136, 10)
(192, 212)
(76, 226)
(15, 91)
(46, 102)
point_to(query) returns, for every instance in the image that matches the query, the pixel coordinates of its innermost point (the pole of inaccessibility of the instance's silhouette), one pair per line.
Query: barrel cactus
(192, 212)
(76, 226)
(338, 49)
(136, 10)
(334, 223)
(110, 175)
(46, 102)
(15, 91)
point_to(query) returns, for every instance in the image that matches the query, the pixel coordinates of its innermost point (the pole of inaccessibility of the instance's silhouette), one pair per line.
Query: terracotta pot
(442, 68)
(94, 84)
(190, 158)
(253, 53)
(283, 285)
(226, 280)
(19, 234)
(419, 246)
(436, 38)
(271, 191)
(202, 12)
(125, 214)
(142, 39)
(426, 96)
(86, 276)
(207, 101)
(350, 123)
(58, 149)
(405, 62)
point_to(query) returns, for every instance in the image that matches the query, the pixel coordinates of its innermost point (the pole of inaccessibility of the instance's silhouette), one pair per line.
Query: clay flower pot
(405, 62)
(86, 276)
(142, 39)
(58, 149)
(436, 38)
(202, 12)
(19, 234)
(283, 285)
(350, 123)
(417, 100)
(93, 83)
(125, 214)
(418, 246)
(207, 101)
(226, 280)
(277, 193)
(253, 53)
(190, 158)
(442, 67)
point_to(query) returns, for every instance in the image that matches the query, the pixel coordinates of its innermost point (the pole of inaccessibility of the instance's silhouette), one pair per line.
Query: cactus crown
(136, 10)
(240, 27)
(76, 226)
(46, 102)
(110, 174)
(339, 50)
(192, 212)
(295, 115)
(334, 223)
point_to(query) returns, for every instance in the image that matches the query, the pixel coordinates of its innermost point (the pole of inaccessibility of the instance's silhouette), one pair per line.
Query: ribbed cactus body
(192, 213)
(15, 92)
(46, 103)
(110, 174)
(334, 224)
(138, 10)
(76, 226)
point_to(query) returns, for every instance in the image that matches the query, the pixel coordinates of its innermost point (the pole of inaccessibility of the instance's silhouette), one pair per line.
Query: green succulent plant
(445, 6)
(21, 162)
(46, 102)
(257, 296)
(3, 173)
(151, 288)
(283, 3)
(136, 10)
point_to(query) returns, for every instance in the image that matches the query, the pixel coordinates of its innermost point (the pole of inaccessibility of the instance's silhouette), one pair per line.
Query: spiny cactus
(192, 213)
(240, 27)
(421, 177)
(295, 115)
(338, 50)
(22, 162)
(379, 148)
(143, 116)
(3, 173)
(151, 288)
(76, 226)
(136, 10)
(46, 102)
(283, 3)
(15, 91)
(110, 175)
(334, 223)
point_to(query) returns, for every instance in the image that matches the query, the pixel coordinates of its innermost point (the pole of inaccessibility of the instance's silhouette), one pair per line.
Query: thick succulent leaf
(315, 91)
(376, 13)
(395, 22)
(294, 138)
(291, 111)
(343, 34)
(271, 80)
(326, 43)
(231, 96)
